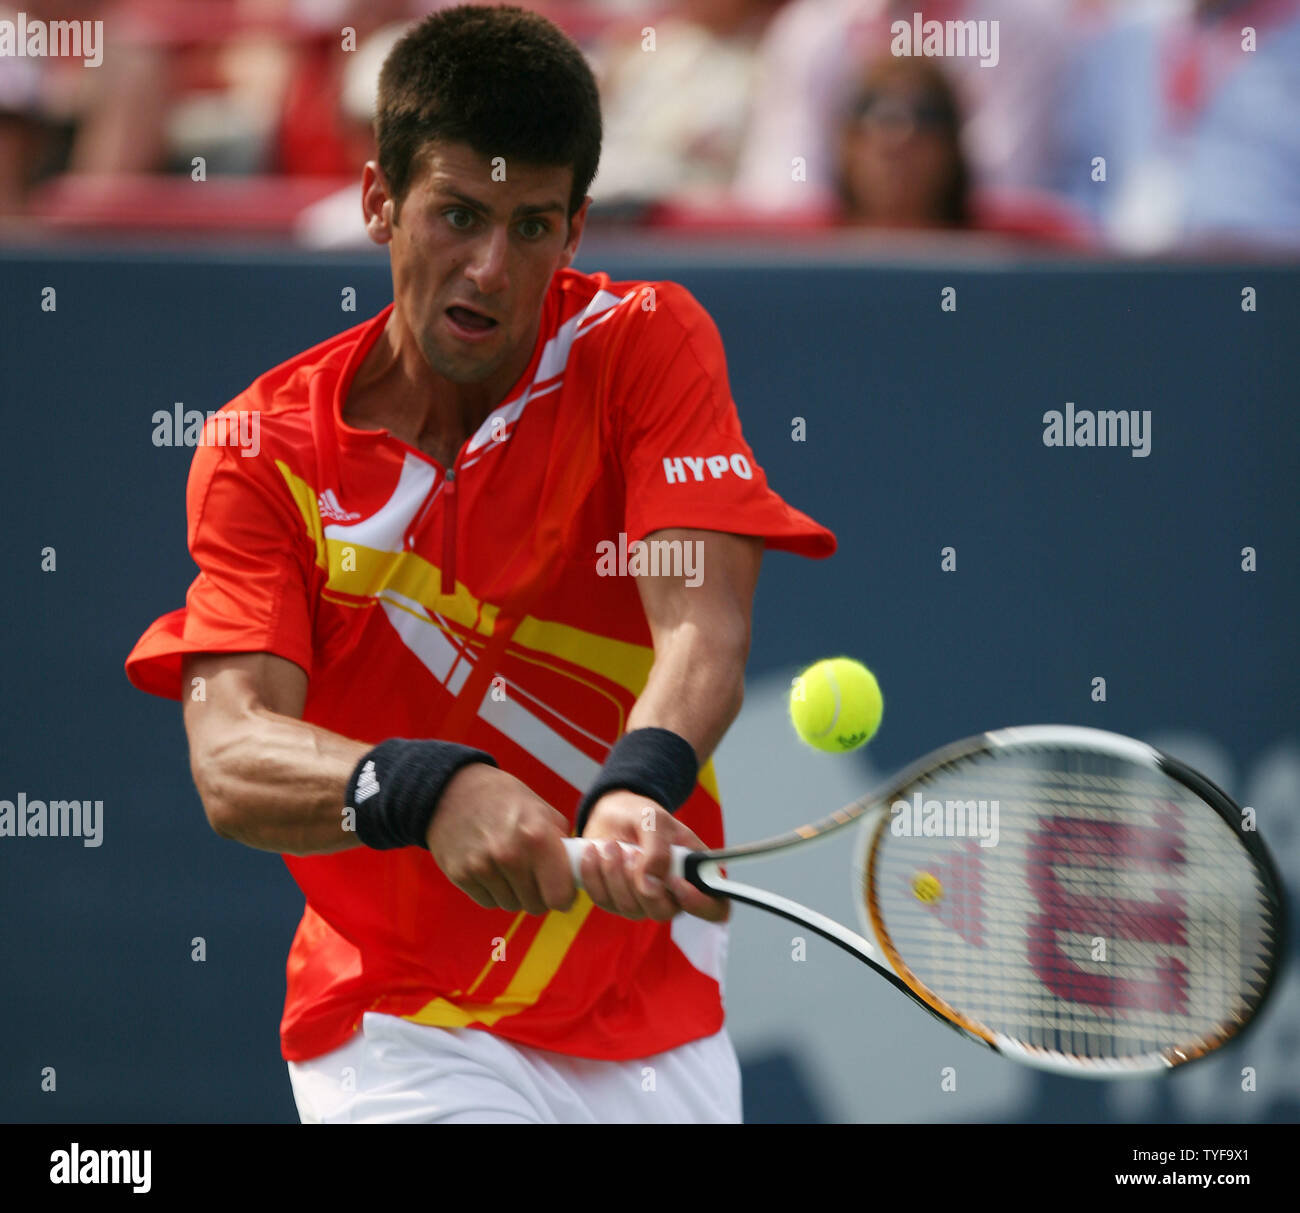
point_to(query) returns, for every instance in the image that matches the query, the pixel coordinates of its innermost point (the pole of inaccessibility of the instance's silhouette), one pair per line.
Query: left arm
(701, 638)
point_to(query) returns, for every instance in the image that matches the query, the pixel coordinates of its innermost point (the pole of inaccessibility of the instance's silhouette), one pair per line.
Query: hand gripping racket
(1074, 899)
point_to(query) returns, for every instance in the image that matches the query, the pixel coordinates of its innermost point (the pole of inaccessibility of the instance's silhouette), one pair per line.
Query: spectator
(1243, 179)
(323, 131)
(180, 82)
(24, 125)
(806, 77)
(250, 85)
(336, 221)
(1198, 134)
(900, 161)
(42, 103)
(676, 99)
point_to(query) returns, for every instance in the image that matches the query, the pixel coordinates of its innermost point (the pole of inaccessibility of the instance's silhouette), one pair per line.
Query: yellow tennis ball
(927, 888)
(835, 705)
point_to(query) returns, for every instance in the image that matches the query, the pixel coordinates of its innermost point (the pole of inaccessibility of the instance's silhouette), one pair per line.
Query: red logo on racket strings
(960, 907)
(1068, 844)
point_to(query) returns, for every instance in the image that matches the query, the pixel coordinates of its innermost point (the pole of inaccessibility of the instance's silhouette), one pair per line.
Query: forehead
(444, 166)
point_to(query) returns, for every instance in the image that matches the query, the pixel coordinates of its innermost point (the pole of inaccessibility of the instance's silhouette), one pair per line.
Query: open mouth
(470, 320)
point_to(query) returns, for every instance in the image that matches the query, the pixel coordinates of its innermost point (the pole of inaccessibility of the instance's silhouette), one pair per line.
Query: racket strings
(1089, 907)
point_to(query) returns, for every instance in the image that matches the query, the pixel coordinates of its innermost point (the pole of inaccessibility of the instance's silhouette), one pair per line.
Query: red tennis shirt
(488, 603)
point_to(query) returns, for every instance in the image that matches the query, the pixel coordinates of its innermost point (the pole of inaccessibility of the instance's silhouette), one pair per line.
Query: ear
(576, 225)
(377, 204)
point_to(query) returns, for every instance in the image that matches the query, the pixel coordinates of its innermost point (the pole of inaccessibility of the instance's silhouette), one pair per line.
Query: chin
(458, 368)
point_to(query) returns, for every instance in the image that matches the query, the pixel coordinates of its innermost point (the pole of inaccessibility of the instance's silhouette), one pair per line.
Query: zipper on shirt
(449, 532)
(447, 488)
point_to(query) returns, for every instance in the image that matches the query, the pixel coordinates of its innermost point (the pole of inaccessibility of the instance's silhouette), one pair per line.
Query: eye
(459, 218)
(533, 229)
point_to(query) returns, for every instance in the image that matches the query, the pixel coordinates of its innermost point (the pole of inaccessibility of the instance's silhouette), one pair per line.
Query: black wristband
(652, 762)
(395, 788)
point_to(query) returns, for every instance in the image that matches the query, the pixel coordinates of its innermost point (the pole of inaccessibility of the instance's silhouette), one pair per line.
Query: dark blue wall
(923, 430)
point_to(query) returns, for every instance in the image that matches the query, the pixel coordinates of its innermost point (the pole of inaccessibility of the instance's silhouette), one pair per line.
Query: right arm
(266, 777)
(272, 781)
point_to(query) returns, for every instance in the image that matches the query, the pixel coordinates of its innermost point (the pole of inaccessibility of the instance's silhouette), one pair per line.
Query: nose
(487, 266)
(897, 130)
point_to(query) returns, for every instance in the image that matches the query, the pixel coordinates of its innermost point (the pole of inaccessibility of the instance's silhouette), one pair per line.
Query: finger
(512, 860)
(651, 892)
(498, 888)
(679, 835)
(661, 905)
(700, 904)
(554, 876)
(487, 892)
(523, 884)
(593, 878)
(478, 893)
(559, 824)
(689, 898)
(618, 880)
(655, 857)
(648, 865)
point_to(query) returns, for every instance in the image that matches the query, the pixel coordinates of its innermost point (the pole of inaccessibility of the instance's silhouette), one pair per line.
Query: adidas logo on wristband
(397, 812)
(367, 783)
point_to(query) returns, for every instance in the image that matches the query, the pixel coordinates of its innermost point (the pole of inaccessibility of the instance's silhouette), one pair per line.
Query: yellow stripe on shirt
(540, 963)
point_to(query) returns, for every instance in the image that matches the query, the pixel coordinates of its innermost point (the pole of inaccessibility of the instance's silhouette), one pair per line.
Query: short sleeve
(255, 556)
(685, 460)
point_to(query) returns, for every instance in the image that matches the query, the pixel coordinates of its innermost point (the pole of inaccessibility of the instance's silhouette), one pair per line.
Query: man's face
(472, 257)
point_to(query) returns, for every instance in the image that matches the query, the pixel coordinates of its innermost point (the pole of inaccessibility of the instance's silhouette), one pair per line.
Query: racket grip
(577, 848)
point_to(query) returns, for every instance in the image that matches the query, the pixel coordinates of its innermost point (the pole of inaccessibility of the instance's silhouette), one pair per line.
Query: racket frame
(703, 870)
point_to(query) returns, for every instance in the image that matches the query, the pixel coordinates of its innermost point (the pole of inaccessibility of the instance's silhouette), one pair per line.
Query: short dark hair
(503, 80)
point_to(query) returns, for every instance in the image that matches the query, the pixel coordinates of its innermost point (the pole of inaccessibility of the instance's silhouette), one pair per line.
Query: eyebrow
(520, 211)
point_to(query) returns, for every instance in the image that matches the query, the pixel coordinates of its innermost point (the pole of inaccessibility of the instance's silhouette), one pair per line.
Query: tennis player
(485, 583)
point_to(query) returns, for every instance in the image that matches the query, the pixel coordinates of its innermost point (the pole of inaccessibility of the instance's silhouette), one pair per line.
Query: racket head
(1112, 918)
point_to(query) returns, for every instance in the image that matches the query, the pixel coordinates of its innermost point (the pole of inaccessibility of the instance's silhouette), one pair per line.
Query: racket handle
(577, 848)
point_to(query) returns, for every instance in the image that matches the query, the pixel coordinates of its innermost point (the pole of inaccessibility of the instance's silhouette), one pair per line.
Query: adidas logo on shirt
(367, 783)
(331, 510)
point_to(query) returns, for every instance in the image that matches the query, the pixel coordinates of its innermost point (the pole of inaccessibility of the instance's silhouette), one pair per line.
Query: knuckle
(533, 835)
(507, 854)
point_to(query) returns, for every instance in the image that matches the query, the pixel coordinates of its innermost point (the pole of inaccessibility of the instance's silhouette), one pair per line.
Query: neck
(396, 389)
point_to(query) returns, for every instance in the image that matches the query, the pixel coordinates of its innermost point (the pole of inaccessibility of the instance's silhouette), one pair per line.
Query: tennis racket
(1071, 898)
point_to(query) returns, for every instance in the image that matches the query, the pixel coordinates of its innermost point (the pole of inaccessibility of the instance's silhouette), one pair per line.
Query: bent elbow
(221, 816)
(218, 807)
(221, 820)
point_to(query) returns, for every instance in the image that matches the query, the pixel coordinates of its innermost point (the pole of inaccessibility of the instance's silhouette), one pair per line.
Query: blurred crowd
(1142, 126)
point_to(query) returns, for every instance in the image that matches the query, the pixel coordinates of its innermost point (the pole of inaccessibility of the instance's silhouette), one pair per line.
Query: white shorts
(396, 1072)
